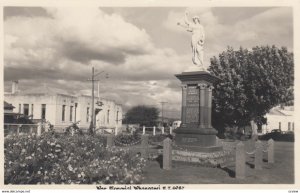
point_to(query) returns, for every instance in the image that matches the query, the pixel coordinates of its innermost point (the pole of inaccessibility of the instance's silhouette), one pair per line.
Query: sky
(141, 48)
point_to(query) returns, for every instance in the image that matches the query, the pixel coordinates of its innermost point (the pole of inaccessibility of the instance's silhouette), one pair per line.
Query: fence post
(154, 130)
(167, 154)
(144, 144)
(258, 155)
(46, 126)
(270, 151)
(18, 130)
(39, 130)
(218, 142)
(131, 131)
(116, 130)
(240, 161)
(162, 130)
(144, 130)
(110, 141)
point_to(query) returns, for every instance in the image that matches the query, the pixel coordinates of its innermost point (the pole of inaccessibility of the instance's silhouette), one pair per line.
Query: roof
(45, 90)
(286, 111)
(8, 105)
(275, 112)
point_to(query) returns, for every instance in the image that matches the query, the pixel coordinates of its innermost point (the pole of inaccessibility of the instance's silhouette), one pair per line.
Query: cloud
(272, 26)
(89, 33)
(60, 50)
(74, 33)
(60, 46)
(208, 19)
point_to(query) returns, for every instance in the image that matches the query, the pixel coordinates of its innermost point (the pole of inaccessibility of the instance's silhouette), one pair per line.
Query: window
(32, 110)
(63, 112)
(87, 114)
(293, 126)
(43, 114)
(107, 116)
(75, 111)
(26, 109)
(71, 113)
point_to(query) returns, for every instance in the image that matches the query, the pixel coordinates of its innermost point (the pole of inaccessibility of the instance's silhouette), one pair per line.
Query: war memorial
(196, 137)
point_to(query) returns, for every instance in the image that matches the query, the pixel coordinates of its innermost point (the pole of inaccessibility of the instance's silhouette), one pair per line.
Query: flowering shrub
(127, 140)
(64, 159)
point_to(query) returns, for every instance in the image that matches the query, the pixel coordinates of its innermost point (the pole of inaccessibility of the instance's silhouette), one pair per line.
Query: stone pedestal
(196, 133)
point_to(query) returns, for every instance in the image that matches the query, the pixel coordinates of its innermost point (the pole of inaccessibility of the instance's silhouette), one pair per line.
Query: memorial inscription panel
(192, 104)
(189, 140)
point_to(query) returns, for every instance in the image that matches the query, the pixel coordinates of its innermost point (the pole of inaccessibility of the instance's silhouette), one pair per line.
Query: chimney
(14, 87)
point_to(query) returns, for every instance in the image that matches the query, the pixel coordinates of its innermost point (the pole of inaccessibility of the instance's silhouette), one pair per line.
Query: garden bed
(65, 159)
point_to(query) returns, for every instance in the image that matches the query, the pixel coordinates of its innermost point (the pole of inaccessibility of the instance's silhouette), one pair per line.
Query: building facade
(62, 109)
(279, 118)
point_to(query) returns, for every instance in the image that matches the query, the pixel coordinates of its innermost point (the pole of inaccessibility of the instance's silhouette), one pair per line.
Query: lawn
(281, 172)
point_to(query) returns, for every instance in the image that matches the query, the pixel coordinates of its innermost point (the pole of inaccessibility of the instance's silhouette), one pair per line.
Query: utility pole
(162, 111)
(93, 120)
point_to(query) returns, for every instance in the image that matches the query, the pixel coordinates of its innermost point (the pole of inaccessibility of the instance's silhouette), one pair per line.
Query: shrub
(68, 159)
(127, 140)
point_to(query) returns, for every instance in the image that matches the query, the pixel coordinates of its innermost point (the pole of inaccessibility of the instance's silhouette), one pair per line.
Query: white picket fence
(21, 129)
(156, 130)
(38, 129)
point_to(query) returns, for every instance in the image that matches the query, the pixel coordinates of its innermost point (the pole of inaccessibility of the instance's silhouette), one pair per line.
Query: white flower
(70, 167)
(39, 172)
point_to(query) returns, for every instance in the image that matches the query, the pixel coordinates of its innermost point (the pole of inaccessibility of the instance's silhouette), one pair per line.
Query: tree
(253, 82)
(142, 115)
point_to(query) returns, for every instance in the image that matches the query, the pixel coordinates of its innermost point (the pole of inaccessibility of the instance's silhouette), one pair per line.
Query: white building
(62, 109)
(279, 118)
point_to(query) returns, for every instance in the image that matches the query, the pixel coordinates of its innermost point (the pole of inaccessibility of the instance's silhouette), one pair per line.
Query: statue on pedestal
(197, 39)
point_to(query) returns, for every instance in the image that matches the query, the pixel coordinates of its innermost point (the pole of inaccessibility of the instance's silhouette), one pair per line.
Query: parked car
(278, 135)
(176, 124)
(276, 131)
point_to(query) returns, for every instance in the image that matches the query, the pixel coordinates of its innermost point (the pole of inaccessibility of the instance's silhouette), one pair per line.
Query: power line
(93, 80)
